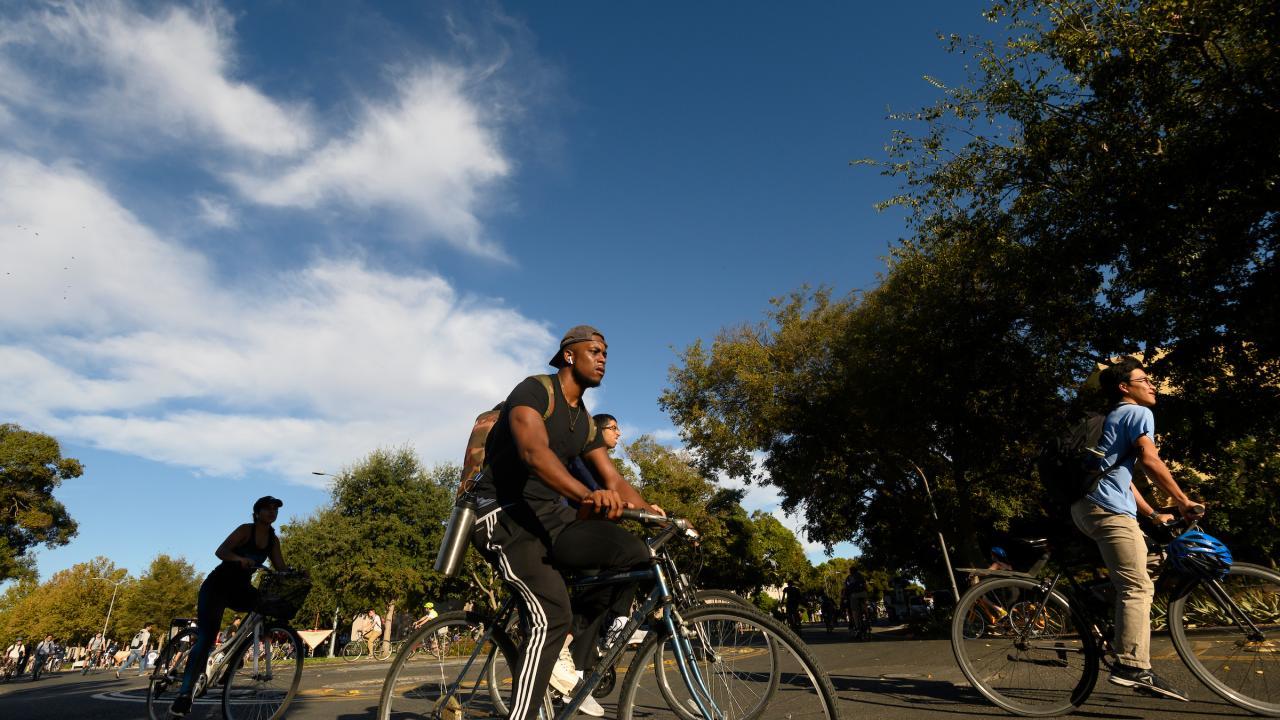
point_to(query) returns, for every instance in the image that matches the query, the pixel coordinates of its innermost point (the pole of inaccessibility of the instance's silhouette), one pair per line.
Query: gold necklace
(573, 417)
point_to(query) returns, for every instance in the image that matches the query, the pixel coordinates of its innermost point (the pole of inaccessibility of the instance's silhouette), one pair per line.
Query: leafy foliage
(375, 542)
(737, 551)
(31, 468)
(1105, 182)
(72, 605)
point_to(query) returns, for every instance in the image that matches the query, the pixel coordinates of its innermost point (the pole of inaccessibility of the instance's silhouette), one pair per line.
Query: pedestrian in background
(138, 648)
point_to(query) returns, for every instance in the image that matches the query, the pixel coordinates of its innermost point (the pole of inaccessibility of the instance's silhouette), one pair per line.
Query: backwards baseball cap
(576, 334)
(266, 500)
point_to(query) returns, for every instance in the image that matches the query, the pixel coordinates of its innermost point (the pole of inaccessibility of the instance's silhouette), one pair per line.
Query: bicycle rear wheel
(1037, 660)
(742, 665)
(1236, 656)
(166, 676)
(449, 668)
(259, 686)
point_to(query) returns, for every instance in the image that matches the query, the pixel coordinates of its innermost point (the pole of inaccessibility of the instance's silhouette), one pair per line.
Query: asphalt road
(883, 678)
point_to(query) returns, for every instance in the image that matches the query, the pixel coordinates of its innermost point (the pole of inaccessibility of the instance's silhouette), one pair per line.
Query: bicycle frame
(660, 596)
(250, 629)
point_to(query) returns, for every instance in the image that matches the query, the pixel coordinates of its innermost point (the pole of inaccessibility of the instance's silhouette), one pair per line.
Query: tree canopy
(375, 542)
(31, 468)
(1105, 182)
(72, 605)
(738, 551)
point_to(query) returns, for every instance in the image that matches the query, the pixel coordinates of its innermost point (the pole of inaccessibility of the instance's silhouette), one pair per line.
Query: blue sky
(242, 242)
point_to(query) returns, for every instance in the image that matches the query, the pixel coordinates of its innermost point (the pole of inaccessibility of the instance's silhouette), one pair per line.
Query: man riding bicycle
(525, 531)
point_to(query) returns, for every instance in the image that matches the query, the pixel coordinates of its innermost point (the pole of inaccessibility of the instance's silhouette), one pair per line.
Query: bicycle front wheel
(737, 665)
(382, 650)
(1033, 656)
(166, 676)
(353, 650)
(1228, 633)
(259, 686)
(668, 677)
(452, 667)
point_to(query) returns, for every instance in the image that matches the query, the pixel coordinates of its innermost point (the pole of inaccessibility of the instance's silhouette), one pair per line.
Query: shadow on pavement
(941, 696)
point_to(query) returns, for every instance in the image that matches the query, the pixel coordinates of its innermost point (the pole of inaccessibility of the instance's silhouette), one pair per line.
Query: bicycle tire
(352, 651)
(166, 675)
(717, 598)
(421, 674)
(1240, 669)
(712, 596)
(263, 690)
(382, 650)
(1005, 663)
(732, 645)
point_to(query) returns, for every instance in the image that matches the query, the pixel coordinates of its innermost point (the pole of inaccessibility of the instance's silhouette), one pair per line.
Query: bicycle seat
(1037, 543)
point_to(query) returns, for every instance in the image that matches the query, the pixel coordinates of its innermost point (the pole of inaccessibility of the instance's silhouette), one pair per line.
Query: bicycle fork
(680, 634)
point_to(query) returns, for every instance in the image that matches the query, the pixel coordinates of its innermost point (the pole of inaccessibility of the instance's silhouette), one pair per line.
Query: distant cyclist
(854, 601)
(793, 598)
(999, 561)
(45, 650)
(15, 656)
(829, 612)
(93, 654)
(247, 547)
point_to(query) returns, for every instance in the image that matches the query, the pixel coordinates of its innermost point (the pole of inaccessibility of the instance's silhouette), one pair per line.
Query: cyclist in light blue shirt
(1120, 433)
(1108, 515)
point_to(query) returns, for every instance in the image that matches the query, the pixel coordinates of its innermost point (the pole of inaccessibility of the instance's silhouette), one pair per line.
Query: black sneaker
(1145, 681)
(180, 707)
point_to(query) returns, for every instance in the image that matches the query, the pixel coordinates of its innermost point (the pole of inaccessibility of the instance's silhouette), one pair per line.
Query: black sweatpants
(529, 557)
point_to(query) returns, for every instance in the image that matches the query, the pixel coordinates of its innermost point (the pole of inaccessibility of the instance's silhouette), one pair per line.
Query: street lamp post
(942, 542)
(116, 587)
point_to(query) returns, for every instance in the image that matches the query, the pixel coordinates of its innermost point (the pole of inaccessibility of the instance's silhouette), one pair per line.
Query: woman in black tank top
(228, 586)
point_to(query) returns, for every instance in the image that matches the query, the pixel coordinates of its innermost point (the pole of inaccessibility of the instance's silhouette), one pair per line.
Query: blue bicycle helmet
(999, 552)
(1199, 554)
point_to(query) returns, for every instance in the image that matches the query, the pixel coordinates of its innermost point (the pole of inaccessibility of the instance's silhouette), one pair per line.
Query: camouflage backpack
(487, 419)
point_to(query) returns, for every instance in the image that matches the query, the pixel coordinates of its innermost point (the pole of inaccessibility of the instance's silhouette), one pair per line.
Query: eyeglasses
(1144, 380)
(613, 428)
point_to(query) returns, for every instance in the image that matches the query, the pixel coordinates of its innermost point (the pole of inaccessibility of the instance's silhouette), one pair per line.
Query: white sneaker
(563, 676)
(590, 707)
(638, 637)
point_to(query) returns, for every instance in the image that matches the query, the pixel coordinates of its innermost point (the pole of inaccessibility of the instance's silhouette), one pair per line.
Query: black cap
(576, 334)
(266, 500)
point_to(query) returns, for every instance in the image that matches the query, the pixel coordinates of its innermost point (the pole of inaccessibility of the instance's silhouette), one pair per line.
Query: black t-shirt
(508, 480)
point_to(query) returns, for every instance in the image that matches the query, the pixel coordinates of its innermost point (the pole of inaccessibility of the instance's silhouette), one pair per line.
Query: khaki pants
(1125, 552)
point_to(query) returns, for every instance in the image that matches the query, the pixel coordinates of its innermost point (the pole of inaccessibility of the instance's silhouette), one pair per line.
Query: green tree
(70, 605)
(1105, 181)
(668, 478)
(167, 590)
(31, 468)
(375, 543)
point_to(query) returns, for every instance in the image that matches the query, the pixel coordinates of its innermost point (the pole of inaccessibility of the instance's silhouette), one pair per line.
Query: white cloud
(426, 154)
(216, 212)
(114, 336)
(172, 72)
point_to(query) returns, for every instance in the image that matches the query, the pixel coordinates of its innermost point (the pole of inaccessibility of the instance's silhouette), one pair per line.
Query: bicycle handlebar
(649, 518)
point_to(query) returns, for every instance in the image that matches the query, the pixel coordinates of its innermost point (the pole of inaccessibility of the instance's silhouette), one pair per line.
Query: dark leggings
(219, 592)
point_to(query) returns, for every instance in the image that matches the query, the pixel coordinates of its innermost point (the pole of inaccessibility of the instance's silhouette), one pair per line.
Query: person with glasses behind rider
(246, 548)
(1108, 515)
